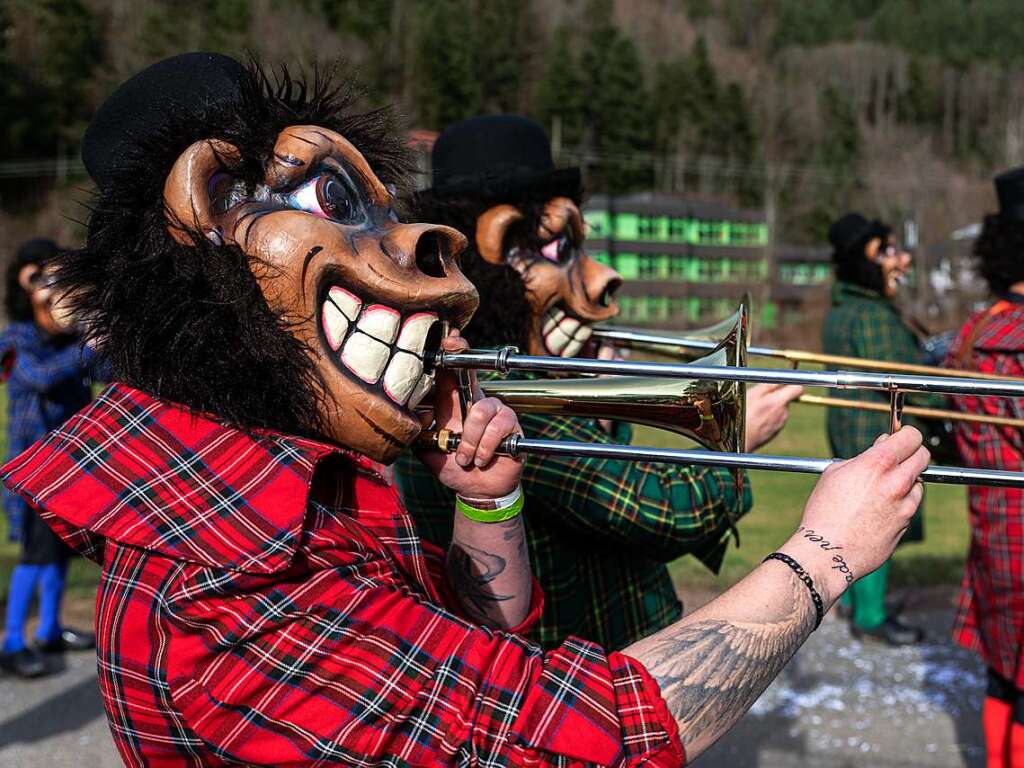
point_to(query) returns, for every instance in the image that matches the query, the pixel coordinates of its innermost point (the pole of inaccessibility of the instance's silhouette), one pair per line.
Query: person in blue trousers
(48, 375)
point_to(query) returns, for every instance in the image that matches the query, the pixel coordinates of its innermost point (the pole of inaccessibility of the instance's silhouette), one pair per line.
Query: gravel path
(840, 703)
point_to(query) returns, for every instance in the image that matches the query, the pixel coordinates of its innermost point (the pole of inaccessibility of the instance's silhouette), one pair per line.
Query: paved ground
(840, 703)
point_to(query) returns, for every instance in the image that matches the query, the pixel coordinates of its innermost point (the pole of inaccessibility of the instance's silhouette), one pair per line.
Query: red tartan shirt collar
(148, 473)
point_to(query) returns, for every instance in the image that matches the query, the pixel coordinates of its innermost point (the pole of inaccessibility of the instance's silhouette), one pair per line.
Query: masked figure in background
(600, 530)
(990, 617)
(863, 321)
(49, 375)
(265, 600)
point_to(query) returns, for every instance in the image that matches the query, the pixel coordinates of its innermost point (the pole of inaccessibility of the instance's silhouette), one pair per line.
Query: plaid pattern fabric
(253, 612)
(990, 614)
(862, 323)
(600, 531)
(47, 382)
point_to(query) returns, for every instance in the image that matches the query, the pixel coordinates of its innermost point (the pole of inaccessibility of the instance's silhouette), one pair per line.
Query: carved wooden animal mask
(368, 296)
(567, 289)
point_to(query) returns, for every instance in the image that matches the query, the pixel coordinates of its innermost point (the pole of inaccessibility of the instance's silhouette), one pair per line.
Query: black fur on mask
(853, 266)
(999, 251)
(188, 323)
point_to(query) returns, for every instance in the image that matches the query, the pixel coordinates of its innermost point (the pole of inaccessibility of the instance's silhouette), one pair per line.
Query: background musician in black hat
(990, 615)
(600, 531)
(863, 321)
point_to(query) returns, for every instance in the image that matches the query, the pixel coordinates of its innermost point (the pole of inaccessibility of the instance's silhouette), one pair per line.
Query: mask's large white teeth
(414, 332)
(335, 325)
(380, 322)
(346, 301)
(420, 390)
(583, 333)
(569, 326)
(365, 357)
(556, 341)
(572, 348)
(402, 376)
(551, 318)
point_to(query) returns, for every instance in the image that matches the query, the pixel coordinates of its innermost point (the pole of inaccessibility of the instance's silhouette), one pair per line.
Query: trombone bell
(710, 412)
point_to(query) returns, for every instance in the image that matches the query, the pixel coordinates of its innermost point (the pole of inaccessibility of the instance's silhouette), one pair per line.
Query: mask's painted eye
(558, 250)
(328, 196)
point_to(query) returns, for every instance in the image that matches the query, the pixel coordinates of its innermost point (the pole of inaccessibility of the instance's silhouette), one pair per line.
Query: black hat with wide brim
(851, 231)
(172, 94)
(1010, 191)
(499, 157)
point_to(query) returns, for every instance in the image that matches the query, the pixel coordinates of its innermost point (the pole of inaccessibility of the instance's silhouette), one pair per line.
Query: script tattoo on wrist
(811, 535)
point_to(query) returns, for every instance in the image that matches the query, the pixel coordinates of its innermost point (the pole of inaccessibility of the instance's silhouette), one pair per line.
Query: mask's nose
(431, 249)
(601, 283)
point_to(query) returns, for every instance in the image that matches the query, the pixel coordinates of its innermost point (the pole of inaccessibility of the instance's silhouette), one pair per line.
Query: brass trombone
(698, 341)
(706, 404)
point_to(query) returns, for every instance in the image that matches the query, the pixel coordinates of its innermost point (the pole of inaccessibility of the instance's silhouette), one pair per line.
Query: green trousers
(867, 598)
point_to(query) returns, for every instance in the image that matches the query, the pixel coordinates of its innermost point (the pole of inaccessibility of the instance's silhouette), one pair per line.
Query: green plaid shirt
(863, 323)
(600, 531)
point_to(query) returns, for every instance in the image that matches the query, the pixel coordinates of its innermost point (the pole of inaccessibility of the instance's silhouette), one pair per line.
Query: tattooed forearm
(471, 571)
(840, 562)
(489, 571)
(711, 671)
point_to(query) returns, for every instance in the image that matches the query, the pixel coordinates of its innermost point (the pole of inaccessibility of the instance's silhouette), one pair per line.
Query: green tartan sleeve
(660, 510)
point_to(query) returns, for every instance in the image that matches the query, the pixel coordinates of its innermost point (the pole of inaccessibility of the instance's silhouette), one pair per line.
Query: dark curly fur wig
(39, 251)
(999, 251)
(852, 267)
(189, 323)
(504, 314)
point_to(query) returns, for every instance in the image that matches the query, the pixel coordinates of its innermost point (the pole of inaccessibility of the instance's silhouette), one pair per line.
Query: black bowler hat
(164, 94)
(499, 156)
(852, 230)
(1010, 191)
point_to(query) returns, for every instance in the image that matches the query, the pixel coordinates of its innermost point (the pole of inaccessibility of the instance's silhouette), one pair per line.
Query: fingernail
(478, 461)
(462, 459)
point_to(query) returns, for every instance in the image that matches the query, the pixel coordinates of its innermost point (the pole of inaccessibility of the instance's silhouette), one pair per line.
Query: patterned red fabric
(265, 600)
(990, 615)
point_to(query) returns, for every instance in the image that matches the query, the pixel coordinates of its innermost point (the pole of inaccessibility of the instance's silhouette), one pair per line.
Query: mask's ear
(560, 213)
(491, 227)
(187, 189)
(27, 277)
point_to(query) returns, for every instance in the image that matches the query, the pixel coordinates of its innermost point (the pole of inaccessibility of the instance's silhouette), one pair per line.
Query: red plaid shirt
(249, 614)
(990, 615)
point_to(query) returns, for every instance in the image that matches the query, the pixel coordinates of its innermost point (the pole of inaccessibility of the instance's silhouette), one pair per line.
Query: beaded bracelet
(819, 606)
(492, 510)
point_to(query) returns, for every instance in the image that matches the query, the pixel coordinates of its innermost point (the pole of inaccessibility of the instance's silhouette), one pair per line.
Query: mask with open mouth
(368, 296)
(566, 289)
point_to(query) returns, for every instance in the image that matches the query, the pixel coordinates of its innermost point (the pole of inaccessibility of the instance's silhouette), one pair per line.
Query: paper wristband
(492, 510)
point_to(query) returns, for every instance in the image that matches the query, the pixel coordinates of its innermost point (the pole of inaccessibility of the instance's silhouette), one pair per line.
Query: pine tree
(838, 157)
(560, 93)
(448, 87)
(503, 52)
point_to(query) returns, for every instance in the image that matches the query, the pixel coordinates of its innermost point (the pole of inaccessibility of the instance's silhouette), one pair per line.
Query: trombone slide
(447, 441)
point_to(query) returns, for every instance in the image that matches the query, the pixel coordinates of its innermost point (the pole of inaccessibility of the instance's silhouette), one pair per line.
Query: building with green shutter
(688, 262)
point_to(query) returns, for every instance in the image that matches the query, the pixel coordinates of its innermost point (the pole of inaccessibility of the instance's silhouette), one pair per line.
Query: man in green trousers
(863, 322)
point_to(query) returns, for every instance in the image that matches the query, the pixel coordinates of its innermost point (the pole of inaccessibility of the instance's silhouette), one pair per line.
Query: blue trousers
(49, 579)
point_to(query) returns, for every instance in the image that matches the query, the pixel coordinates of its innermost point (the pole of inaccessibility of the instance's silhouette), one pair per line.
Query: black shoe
(69, 640)
(891, 631)
(24, 663)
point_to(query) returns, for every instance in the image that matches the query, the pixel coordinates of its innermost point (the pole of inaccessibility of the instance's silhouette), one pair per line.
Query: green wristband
(499, 512)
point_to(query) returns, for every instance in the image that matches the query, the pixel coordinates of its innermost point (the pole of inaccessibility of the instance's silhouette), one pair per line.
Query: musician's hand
(473, 471)
(768, 411)
(859, 510)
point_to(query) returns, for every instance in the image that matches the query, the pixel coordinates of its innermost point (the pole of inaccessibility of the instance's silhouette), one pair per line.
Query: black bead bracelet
(819, 606)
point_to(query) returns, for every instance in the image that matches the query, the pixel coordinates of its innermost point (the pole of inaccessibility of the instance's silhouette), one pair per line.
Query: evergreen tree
(504, 52)
(616, 106)
(838, 157)
(448, 87)
(560, 93)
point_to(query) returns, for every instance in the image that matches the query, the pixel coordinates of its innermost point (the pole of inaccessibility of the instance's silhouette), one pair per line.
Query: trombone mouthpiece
(443, 440)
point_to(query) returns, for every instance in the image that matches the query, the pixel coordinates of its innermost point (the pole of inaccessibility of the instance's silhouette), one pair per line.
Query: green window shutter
(627, 226)
(628, 265)
(768, 315)
(601, 257)
(598, 223)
